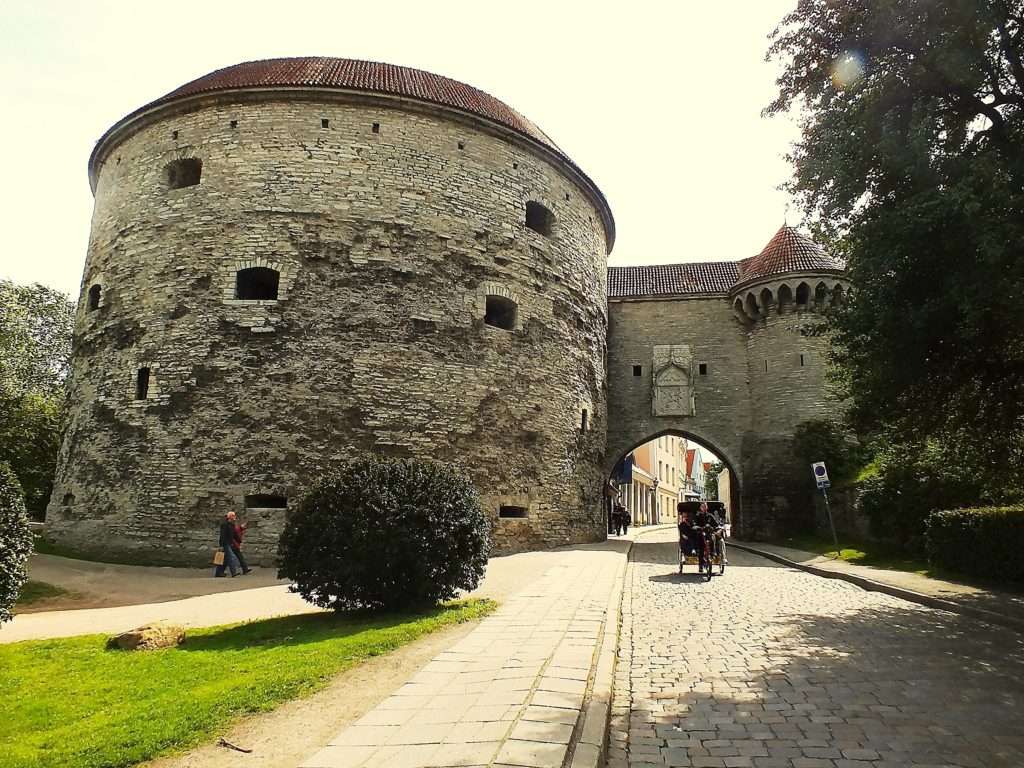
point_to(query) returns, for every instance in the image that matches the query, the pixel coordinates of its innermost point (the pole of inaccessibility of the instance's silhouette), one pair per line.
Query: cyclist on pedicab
(709, 525)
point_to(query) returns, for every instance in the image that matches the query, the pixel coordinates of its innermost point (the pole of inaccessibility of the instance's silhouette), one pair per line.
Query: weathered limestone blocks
(351, 274)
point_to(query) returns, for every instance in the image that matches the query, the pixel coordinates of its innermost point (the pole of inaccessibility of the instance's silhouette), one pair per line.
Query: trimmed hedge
(986, 541)
(15, 541)
(386, 533)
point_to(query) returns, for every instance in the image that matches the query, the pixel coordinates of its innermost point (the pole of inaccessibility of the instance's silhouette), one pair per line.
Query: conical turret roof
(788, 251)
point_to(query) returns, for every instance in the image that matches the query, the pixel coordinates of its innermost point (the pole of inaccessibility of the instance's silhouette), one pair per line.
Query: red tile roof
(787, 251)
(672, 279)
(353, 74)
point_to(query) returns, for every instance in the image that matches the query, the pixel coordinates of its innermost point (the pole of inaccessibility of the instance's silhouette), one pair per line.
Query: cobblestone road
(774, 668)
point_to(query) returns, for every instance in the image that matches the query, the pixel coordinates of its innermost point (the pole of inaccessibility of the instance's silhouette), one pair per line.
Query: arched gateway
(297, 261)
(720, 352)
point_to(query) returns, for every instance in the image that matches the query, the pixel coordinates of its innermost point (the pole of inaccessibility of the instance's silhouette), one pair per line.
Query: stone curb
(1012, 622)
(590, 747)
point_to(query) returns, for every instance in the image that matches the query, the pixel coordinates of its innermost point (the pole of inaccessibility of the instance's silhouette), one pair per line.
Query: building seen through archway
(650, 480)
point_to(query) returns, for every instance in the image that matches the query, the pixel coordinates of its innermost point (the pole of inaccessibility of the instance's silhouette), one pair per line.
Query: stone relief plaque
(673, 381)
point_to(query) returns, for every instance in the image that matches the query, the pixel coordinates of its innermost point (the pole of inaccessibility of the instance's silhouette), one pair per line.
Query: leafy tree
(15, 542)
(711, 480)
(829, 441)
(911, 162)
(386, 533)
(36, 323)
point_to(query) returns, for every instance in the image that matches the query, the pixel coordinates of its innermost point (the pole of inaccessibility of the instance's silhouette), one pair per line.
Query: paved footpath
(513, 691)
(773, 668)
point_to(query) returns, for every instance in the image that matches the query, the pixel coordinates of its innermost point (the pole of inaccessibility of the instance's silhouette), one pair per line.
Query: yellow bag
(218, 557)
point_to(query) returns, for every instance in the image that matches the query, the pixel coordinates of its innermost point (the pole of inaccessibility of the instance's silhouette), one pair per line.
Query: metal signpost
(821, 478)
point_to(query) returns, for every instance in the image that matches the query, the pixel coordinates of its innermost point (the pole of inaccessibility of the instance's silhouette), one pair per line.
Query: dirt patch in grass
(39, 593)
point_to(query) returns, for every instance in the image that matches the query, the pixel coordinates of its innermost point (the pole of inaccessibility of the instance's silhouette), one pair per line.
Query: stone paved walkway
(959, 593)
(773, 668)
(511, 693)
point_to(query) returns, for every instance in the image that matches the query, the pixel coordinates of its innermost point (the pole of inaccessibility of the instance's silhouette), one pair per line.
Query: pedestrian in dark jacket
(226, 544)
(236, 545)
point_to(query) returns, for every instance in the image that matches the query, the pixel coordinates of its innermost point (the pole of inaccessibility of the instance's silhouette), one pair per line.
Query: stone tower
(297, 261)
(725, 353)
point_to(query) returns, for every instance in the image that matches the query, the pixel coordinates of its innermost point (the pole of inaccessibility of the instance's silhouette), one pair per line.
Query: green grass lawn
(72, 703)
(858, 553)
(34, 591)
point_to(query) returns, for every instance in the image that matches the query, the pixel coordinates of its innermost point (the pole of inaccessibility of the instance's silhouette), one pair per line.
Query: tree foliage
(385, 533)
(911, 160)
(711, 480)
(15, 541)
(36, 323)
(829, 441)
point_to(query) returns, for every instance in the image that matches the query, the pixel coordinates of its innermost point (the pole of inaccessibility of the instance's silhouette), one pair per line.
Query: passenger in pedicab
(687, 532)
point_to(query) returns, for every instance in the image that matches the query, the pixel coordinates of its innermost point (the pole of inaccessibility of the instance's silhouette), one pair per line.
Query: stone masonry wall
(722, 401)
(387, 242)
(744, 412)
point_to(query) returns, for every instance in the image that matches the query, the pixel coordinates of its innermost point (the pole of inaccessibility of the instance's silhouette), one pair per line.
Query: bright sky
(658, 102)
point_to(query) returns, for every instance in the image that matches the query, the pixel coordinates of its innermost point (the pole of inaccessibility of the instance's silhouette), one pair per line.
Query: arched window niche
(540, 219)
(257, 284)
(182, 173)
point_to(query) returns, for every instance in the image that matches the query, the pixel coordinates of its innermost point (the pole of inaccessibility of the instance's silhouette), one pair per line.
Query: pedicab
(714, 544)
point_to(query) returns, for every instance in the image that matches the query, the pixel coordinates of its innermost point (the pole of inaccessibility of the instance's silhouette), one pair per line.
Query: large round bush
(15, 541)
(384, 533)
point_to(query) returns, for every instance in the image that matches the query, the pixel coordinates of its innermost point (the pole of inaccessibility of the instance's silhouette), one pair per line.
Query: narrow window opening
(376, 127)
(234, 123)
(801, 361)
(142, 384)
(583, 420)
(500, 312)
(566, 195)
(462, 145)
(515, 166)
(638, 370)
(183, 173)
(118, 160)
(539, 218)
(94, 297)
(507, 510)
(702, 369)
(265, 501)
(766, 366)
(257, 284)
(174, 134)
(325, 123)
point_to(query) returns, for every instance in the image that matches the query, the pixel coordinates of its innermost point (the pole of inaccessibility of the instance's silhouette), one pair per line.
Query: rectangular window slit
(234, 123)
(265, 501)
(583, 421)
(702, 369)
(766, 366)
(142, 384)
(462, 145)
(325, 123)
(174, 134)
(638, 370)
(506, 510)
(376, 127)
(801, 361)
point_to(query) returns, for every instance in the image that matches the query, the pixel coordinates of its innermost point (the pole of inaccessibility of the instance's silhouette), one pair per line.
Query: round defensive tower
(779, 298)
(297, 261)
